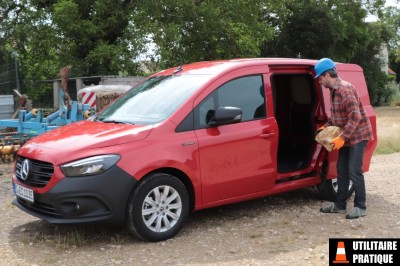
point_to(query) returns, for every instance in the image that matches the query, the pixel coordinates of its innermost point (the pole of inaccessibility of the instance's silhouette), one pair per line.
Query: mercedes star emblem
(25, 169)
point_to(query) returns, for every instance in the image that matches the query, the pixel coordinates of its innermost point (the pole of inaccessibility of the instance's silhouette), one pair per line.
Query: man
(347, 112)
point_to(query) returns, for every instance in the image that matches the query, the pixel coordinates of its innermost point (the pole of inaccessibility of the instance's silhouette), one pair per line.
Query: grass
(388, 129)
(71, 238)
(396, 100)
(65, 238)
(256, 235)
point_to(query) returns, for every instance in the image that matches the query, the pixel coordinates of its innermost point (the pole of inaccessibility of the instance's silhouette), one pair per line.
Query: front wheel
(158, 208)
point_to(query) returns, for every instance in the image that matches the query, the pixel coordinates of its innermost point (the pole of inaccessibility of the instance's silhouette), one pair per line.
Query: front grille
(39, 172)
(40, 207)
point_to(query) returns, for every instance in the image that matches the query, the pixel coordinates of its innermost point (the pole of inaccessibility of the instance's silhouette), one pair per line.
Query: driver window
(247, 93)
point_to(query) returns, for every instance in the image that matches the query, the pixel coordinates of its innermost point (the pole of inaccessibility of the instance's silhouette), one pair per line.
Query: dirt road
(286, 229)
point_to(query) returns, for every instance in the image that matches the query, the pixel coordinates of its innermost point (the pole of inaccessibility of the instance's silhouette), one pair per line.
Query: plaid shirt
(347, 112)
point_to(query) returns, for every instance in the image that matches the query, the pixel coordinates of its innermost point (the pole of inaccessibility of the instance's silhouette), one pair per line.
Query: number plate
(23, 192)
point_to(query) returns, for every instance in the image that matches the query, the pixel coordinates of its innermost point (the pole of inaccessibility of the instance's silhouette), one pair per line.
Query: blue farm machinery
(35, 122)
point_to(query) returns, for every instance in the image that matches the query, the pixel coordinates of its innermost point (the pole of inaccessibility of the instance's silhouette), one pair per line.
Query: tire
(158, 208)
(328, 188)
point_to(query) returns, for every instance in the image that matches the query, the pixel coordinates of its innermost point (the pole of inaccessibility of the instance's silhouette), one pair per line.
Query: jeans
(349, 167)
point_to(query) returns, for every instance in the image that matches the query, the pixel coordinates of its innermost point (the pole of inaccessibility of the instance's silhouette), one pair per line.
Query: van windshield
(153, 100)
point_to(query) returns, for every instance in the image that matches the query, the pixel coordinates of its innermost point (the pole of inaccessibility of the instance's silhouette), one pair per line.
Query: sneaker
(332, 209)
(356, 213)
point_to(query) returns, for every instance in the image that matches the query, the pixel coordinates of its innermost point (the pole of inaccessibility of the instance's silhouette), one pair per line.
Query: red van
(187, 138)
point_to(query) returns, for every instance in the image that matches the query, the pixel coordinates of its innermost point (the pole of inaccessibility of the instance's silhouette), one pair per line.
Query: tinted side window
(247, 93)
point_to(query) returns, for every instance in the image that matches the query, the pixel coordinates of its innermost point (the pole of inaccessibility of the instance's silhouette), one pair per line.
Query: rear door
(237, 160)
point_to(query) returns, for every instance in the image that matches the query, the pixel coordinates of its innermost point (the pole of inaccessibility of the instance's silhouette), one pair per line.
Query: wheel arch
(180, 175)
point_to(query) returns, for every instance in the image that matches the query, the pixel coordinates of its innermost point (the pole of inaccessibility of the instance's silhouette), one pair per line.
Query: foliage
(376, 81)
(335, 29)
(317, 28)
(302, 31)
(367, 57)
(186, 31)
(87, 34)
(395, 93)
(105, 37)
(391, 17)
(93, 35)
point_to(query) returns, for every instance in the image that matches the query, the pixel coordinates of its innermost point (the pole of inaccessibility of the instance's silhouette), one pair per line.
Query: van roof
(218, 66)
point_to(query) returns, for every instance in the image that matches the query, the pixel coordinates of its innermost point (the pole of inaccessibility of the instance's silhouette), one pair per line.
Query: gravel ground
(286, 229)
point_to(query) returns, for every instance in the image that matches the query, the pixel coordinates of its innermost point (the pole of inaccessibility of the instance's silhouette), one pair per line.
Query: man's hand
(337, 142)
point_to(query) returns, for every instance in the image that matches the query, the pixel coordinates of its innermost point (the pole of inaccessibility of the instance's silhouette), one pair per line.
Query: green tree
(94, 35)
(336, 29)
(186, 31)
(318, 28)
(302, 31)
(91, 35)
(385, 33)
(391, 19)
(105, 37)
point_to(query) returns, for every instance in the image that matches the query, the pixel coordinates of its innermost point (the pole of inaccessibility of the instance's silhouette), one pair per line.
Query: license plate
(23, 192)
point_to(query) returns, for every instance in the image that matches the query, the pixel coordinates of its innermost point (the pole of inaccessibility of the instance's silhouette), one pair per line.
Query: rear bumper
(78, 200)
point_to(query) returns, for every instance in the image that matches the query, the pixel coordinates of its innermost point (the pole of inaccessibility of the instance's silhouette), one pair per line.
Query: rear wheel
(158, 208)
(328, 188)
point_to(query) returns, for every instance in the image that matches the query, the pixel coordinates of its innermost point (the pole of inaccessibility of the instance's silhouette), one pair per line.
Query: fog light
(70, 207)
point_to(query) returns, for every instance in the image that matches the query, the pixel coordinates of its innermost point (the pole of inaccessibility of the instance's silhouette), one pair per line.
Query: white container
(6, 106)
(87, 95)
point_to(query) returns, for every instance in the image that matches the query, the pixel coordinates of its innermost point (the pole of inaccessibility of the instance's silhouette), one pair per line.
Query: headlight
(90, 166)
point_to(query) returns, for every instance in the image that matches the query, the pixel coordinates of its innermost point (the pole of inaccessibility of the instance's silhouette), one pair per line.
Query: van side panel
(356, 77)
(369, 151)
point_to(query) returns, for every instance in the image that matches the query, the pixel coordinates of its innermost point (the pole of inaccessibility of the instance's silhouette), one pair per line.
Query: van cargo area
(294, 102)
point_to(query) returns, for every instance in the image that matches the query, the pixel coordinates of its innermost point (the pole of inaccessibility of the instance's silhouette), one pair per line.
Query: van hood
(89, 135)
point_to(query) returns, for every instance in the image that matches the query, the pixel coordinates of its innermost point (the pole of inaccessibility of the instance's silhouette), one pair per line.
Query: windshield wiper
(179, 69)
(117, 122)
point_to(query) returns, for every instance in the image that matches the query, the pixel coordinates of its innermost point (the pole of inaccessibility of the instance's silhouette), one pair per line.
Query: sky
(395, 3)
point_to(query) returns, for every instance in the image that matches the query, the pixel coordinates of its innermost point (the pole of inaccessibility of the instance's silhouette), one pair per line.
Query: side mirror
(225, 115)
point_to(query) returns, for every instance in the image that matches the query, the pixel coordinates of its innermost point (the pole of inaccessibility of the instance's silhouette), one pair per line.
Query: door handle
(267, 135)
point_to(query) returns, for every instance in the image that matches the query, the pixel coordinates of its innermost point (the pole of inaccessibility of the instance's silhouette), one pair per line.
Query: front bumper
(78, 200)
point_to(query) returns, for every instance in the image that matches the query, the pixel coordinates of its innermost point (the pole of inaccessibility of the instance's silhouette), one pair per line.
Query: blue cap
(323, 65)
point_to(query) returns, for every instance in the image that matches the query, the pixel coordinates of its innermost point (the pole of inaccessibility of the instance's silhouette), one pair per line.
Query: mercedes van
(187, 138)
